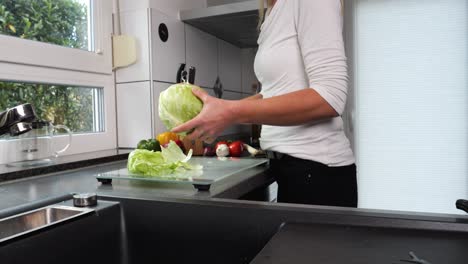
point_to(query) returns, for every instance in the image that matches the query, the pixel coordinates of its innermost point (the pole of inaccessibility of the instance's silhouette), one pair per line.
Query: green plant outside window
(60, 22)
(79, 108)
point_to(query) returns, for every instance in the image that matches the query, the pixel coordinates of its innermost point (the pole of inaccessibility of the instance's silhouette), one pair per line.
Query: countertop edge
(66, 163)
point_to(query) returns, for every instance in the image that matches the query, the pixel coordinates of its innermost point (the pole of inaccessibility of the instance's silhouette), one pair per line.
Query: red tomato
(236, 148)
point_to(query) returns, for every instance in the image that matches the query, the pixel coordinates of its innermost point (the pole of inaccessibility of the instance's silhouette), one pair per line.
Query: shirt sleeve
(319, 25)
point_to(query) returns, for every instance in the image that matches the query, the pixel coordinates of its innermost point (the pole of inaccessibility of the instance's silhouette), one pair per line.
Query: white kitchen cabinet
(167, 54)
(160, 56)
(202, 53)
(135, 23)
(133, 113)
(229, 66)
(248, 74)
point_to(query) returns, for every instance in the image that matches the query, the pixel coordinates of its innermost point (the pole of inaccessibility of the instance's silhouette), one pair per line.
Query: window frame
(81, 142)
(23, 60)
(30, 52)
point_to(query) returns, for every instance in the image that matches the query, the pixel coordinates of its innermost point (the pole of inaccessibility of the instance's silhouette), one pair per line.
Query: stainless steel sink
(30, 221)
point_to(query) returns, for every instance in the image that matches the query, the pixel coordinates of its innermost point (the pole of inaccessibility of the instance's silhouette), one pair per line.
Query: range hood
(235, 23)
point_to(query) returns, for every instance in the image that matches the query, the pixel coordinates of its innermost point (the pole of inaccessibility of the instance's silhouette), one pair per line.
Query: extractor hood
(235, 23)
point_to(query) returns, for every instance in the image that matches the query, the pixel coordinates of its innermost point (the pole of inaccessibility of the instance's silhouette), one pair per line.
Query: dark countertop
(83, 179)
(326, 243)
(244, 225)
(62, 163)
(77, 175)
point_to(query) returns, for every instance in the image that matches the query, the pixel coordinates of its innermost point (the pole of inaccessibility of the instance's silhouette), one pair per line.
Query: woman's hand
(214, 118)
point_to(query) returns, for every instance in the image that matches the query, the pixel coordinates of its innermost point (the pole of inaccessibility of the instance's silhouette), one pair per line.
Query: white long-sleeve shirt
(301, 47)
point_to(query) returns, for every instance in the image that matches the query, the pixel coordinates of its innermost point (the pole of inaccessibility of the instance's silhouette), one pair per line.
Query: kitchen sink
(55, 233)
(23, 223)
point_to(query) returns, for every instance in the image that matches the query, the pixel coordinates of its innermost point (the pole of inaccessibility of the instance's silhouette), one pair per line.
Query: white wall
(410, 79)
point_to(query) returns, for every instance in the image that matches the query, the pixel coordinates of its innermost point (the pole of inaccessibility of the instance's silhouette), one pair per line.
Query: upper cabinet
(135, 23)
(202, 53)
(167, 46)
(229, 66)
(232, 21)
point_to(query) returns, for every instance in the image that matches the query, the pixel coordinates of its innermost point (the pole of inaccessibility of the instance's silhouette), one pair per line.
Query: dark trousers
(309, 182)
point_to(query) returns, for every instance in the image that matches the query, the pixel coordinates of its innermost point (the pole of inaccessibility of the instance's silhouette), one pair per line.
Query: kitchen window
(65, 34)
(79, 108)
(66, 23)
(57, 56)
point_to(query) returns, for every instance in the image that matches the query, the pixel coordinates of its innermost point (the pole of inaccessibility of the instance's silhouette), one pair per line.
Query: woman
(301, 64)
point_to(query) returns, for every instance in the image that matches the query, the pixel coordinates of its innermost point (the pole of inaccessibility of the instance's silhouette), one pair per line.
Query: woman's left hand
(214, 118)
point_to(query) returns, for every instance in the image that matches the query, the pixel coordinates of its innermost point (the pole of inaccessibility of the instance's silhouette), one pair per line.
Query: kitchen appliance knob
(84, 199)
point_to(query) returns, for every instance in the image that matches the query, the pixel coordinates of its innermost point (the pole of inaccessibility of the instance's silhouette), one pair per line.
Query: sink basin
(30, 221)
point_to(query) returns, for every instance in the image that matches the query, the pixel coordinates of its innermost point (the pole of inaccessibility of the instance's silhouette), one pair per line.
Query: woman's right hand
(214, 118)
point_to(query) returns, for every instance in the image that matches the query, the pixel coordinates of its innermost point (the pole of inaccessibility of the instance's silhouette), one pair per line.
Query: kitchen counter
(26, 190)
(214, 226)
(324, 243)
(62, 163)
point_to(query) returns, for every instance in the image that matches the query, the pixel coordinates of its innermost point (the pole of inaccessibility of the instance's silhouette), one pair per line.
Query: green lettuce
(165, 163)
(177, 105)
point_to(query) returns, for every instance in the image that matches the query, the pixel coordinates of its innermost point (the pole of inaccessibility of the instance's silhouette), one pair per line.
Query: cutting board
(214, 169)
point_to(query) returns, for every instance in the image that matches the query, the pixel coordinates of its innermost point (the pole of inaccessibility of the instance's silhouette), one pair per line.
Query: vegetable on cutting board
(222, 150)
(160, 163)
(253, 151)
(166, 137)
(234, 149)
(149, 144)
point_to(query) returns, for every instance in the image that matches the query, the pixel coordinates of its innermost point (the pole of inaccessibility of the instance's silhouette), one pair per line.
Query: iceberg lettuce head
(177, 105)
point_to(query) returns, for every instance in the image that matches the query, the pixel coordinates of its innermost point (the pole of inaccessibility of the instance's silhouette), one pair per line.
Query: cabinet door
(229, 66)
(133, 113)
(135, 23)
(158, 87)
(249, 80)
(202, 53)
(227, 95)
(167, 46)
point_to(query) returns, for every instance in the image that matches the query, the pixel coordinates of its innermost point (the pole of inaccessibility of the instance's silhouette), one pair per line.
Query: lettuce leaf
(164, 163)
